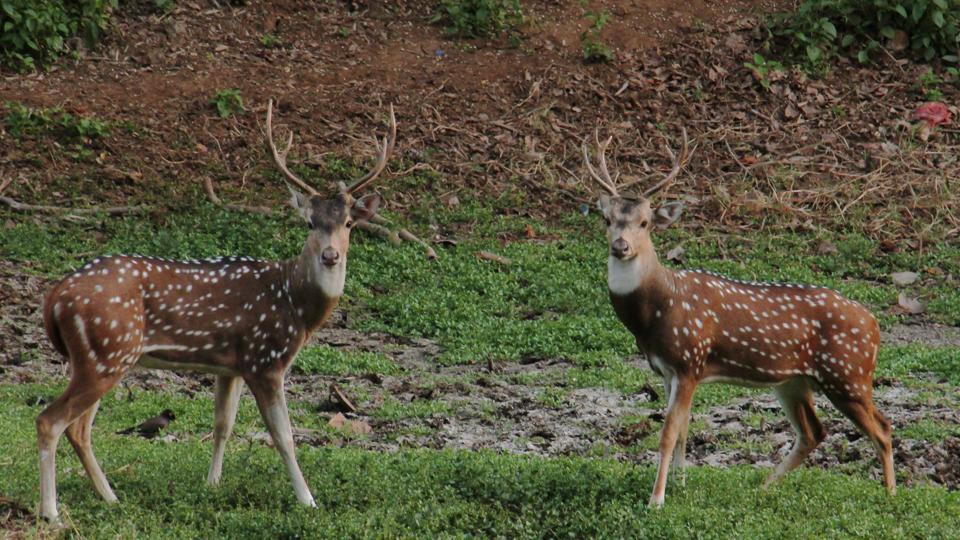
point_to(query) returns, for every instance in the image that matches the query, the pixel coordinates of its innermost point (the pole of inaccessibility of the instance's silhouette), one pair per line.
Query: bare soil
(490, 116)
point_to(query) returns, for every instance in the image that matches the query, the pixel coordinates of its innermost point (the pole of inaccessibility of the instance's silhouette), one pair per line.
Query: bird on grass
(152, 426)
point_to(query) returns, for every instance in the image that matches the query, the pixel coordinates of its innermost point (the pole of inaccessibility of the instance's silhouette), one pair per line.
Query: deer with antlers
(698, 327)
(237, 318)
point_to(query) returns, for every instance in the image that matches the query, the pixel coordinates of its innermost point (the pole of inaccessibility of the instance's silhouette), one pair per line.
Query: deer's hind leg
(862, 412)
(79, 436)
(796, 397)
(81, 396)
(95, 369)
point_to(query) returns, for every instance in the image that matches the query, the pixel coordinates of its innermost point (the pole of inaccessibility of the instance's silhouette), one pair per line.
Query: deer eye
(349, 223)
(607, 221)
(643, 224)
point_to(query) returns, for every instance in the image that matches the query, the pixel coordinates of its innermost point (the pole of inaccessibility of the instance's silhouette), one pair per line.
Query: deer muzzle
(330, 257)
(619, 248)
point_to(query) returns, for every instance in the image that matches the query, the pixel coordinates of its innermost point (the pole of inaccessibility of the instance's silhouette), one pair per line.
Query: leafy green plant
(228, 102)
(34, 33)
(594, 50)
(270, 41)
(478, 18)
(22, 120)
(820, 29)
(764, 70)
(929, 84)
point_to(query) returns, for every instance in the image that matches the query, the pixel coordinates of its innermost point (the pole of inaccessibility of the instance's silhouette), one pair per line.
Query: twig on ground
(110, 211)
(487, 256)
(212, 195)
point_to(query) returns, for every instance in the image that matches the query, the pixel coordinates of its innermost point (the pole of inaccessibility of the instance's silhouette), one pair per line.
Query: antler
(280, 158)
(678, 163)
(603, 177)
(384, 151)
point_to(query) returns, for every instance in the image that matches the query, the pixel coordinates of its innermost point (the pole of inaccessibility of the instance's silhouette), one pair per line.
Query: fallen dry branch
(408, 236)
(377, 225)
(212, 195)
(381, 231)
(487, 256)
(342, 398)
(110, 211)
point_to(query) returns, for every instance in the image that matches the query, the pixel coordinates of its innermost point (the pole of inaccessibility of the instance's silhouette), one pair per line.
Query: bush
(819, 29)
(478, 18)
(34, 32)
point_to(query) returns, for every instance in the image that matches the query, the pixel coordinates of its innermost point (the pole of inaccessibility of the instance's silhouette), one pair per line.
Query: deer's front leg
(225, 402)
(678, 411)
(268, 392)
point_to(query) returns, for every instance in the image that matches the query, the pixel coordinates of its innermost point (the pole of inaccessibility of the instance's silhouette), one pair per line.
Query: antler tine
(604, 181)
(678, 163)
(281, 158)
(384, 153)
(602, 150)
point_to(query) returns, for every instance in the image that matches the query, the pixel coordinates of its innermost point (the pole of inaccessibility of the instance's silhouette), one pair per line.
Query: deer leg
(679, 470)
(678, 409)
(796, 398)
(268, 393)
(80, 396)
(79, 436)
(869, 420)
(226, 399)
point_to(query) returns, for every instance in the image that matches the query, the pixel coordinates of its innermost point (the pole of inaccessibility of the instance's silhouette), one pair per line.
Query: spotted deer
(235, 317)
(697, 327)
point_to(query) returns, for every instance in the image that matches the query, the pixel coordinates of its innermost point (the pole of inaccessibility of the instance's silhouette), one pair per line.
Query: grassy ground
(549, 303)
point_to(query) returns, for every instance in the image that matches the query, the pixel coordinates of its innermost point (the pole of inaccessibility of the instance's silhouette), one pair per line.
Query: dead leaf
(827, 247)
(530, 232)
(337, 421)
(676, 254)
(359, 427)
(904, 278)
(910, 304)
(899, 41)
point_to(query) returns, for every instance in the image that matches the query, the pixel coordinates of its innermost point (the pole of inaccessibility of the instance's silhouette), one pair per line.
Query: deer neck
(640, 291)
(315, 289)
(639, 274)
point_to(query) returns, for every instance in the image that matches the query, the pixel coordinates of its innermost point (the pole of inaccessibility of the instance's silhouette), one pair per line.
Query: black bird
(151, 427)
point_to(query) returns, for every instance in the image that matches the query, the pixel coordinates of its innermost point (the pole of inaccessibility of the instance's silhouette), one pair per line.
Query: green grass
(422, 492)
(326, 360)
(550, 302)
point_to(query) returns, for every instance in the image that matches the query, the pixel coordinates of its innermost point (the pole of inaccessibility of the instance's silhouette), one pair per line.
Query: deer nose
(619, 248)
(330, 256)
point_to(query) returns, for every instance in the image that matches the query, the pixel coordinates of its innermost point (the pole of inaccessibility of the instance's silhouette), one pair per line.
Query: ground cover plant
(492, 391)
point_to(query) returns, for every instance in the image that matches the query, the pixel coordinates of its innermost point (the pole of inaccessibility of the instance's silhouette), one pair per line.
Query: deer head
(631, 219)
(330, 219)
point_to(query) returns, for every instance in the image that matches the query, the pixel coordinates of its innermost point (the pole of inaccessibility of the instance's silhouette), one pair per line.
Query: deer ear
(300, 203)
(365, 207)
(603, 204)
(668, 214)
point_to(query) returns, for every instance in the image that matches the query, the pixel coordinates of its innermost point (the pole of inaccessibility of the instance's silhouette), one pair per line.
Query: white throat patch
(330, 279)
(623, 277)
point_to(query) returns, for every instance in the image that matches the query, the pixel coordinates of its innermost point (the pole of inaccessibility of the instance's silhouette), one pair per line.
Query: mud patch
(930, 334)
